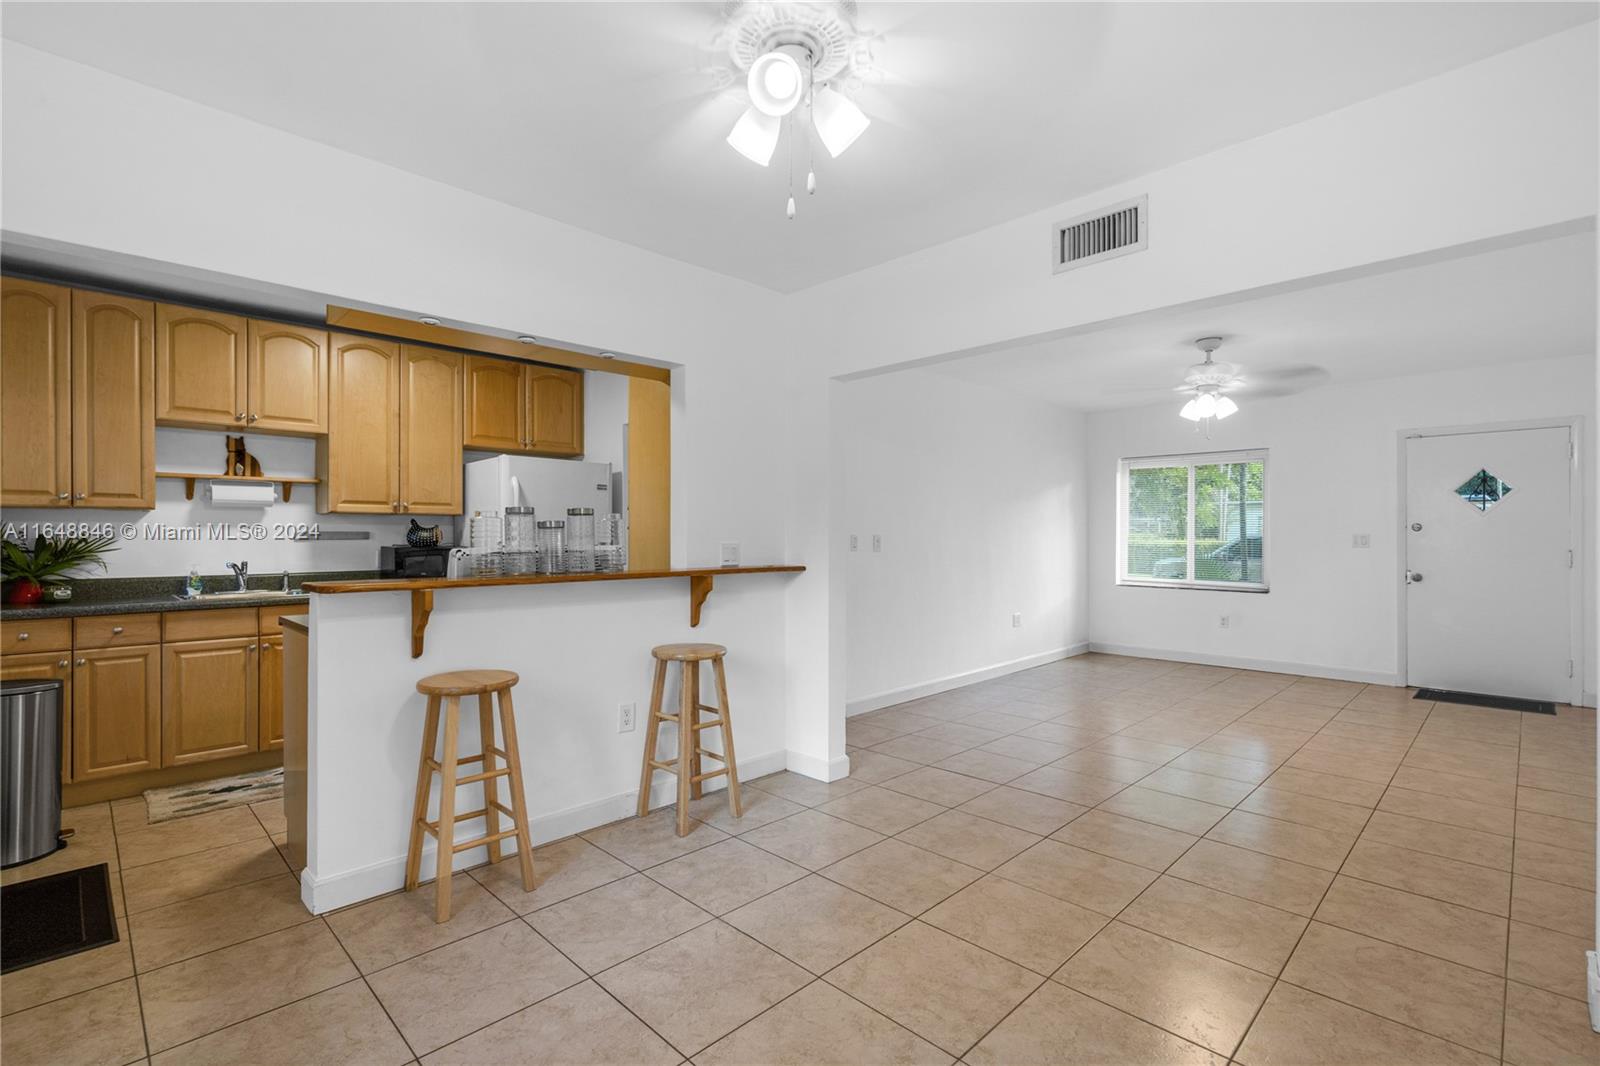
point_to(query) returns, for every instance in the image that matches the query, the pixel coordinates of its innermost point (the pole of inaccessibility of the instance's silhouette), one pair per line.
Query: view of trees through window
(1227, 501)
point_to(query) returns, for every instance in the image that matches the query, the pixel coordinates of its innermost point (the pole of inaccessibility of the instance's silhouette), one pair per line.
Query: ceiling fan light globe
(775, 84)
(755, 136)
(838, 120)
(1225, 407)
(1191, 410)
(1205, 405)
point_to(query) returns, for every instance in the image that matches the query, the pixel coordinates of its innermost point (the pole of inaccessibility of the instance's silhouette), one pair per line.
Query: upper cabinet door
(288, 374)
(36, 402)
(113, 401)
(555, 410)
(359, 460)
(200, 367)
(430, 431)
(495, 408)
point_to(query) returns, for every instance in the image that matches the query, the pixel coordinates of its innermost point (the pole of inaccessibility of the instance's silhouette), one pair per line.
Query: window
(1193, 521)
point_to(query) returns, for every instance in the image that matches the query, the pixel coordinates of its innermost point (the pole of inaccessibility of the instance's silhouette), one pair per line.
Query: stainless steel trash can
(30, 770)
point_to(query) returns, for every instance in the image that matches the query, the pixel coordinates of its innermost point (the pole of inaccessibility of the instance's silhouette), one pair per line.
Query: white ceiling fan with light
(1211, 387)
(796, 58)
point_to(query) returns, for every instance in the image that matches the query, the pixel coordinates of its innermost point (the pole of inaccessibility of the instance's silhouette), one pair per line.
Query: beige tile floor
(1103, 860)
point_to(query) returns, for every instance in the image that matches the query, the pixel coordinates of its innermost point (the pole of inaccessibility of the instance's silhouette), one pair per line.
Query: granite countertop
(129, 595)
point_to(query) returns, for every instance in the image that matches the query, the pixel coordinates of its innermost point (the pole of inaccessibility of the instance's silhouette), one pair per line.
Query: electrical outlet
(730, 553)
(855, 542)
(1224, 622)
(1016, 620)
(877, 542)
(1361, 540)
(627, 717)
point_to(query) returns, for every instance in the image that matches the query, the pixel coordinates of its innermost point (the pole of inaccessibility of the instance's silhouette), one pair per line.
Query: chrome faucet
(239, 571)
(285, 588)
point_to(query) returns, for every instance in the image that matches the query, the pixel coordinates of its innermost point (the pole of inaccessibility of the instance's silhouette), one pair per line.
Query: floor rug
(55, 916)
(1477, 699)
(165, 804)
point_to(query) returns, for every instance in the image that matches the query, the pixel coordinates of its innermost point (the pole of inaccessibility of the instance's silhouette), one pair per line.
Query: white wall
(605, 413)
(980, 499)
(1333, 471)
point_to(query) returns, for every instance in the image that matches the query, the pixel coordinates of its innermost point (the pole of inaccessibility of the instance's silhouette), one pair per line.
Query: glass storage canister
(552, 547)
(522, 543)
(485, 532)
(580, 540)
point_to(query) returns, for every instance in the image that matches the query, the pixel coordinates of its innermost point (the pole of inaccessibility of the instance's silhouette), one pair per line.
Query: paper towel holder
(285, 484)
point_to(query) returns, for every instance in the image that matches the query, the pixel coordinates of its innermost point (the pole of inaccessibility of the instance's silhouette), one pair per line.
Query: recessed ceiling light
(528, 340)
(428, 320)
(608, 355)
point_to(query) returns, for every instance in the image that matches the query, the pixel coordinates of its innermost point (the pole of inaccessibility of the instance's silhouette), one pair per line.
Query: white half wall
(980, 502)
(1333, 471)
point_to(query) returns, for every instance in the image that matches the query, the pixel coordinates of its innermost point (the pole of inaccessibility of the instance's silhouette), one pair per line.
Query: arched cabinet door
(200, 368)
(430, 431)
(494, 404)
(359, 460)
(36, 403)
(113, 401)
(288, 375)
(555, 410)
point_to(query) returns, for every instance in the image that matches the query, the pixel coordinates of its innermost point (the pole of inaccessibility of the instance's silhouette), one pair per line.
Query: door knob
(1413, 577)
(1416, 527)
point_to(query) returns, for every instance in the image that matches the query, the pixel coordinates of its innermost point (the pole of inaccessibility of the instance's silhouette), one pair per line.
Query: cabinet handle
(62, 665)
(22, 636)
(239, 417)
(254, 417)
(250, 647)
(405, 505)
(81, 662)
(80, 495)
(64, 496)
(116, 630)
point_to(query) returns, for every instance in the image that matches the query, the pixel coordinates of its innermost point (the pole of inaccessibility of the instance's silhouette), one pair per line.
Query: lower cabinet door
(209, 700)
(116, 711)
(47, 666)
(271, 709)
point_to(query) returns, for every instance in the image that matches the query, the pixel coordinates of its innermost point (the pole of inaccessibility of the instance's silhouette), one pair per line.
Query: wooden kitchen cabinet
(201, 368)
(116, 712)
(555, 411)
(209, 699)
(47, 666)
(288, 378)
(495, 408)
(430, 431)
(113, 401)
(36, 403)
(359, 460)
(522, 408)
(270, 708)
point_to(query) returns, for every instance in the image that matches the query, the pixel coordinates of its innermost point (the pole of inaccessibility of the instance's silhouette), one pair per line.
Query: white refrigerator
(549, 486)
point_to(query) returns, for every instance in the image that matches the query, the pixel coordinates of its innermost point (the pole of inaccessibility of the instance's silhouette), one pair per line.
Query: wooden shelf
(286, 484)
(423, 588)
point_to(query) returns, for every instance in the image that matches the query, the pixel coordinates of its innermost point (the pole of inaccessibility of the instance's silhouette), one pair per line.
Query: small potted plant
(26, 571)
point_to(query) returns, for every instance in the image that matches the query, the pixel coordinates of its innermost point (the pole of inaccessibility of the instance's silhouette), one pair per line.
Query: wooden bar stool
(690, 751)
(450, 687)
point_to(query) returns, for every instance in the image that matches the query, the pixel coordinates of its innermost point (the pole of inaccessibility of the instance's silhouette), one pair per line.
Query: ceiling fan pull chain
(791, 166)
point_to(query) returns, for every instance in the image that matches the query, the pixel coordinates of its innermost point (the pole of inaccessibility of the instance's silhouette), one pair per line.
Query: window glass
(1227, 522)
(1158, 522)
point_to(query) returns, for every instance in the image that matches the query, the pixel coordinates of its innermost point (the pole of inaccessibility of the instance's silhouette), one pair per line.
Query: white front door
(1488, 562)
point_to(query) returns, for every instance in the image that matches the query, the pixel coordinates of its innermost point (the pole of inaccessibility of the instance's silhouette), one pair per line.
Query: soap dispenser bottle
(192, 587)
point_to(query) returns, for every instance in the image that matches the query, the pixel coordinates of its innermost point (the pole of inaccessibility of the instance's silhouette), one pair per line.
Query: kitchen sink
(247, 594)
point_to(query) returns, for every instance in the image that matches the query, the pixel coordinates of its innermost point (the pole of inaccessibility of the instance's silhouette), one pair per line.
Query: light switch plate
(730, 553)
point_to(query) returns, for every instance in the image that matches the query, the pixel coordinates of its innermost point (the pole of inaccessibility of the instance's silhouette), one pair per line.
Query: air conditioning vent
(1103, 234)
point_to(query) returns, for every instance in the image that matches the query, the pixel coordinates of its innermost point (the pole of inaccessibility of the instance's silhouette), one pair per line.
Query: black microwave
(402, 560)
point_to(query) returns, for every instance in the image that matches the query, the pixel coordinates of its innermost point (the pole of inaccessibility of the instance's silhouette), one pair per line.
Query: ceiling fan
(1211, 385)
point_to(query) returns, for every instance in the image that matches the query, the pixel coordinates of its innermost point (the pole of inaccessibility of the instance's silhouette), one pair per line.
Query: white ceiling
(1533, 301)
(602, 115)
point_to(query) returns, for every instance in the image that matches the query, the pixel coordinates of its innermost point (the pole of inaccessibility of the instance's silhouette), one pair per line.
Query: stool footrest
(709, 774)
(708, 753)
(503, 809)
(490, 839)
(713, 724)
(486, 775)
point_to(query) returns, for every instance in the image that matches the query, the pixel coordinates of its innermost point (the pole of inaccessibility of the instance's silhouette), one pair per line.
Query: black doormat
(55, 916)
(1478, 699)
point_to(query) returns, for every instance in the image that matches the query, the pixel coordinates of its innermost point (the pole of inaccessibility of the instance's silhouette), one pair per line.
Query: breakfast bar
(580, 645)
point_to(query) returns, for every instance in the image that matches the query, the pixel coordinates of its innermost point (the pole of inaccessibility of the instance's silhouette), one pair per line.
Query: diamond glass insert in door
(1483, 490)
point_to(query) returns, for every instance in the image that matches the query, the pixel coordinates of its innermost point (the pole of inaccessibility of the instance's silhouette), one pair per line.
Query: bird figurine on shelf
(420, 536)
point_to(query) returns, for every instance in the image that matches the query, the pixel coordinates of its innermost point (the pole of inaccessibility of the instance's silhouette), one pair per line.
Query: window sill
(1208, 586)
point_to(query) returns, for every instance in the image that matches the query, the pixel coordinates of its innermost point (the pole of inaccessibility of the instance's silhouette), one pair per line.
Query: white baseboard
(945, 684)
(1589, 700)
(323, 894)
(1271, 666)
(1593, 959)
(821, 769)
